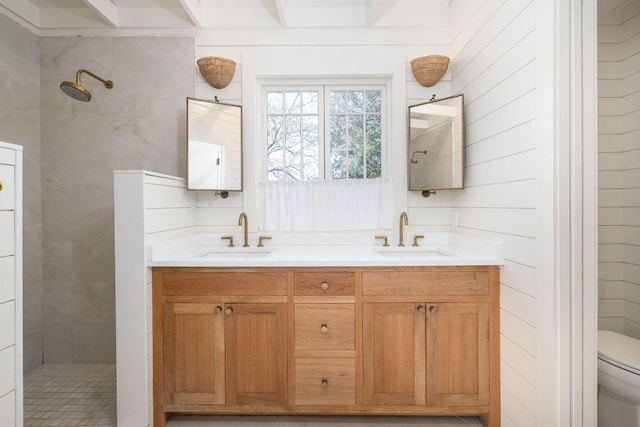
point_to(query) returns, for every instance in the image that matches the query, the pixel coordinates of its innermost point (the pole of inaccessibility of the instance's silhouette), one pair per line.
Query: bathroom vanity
(380, 338)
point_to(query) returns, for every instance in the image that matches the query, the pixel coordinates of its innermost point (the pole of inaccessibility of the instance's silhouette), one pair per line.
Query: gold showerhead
(76, 91)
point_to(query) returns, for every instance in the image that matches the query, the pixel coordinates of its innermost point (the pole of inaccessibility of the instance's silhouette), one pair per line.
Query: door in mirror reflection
(214, 145)
(436, 144)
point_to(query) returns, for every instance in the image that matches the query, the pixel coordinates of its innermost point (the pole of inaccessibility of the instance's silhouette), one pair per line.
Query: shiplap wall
(494, 47)
(610, 223)
(619, 169)
(630, 86)
(158, 204)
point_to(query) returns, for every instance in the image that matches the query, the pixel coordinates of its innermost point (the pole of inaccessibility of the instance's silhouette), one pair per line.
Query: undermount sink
(238, 252)
(409, 251)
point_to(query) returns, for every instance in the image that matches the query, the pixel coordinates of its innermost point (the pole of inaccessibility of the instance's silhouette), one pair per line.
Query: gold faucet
(404, 220)
(243, 217)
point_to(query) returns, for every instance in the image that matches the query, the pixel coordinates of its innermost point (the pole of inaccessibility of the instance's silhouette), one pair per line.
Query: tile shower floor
(70, 395)
(85, 395)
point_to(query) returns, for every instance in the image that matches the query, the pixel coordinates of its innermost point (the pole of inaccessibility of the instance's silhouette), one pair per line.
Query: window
(315, 133)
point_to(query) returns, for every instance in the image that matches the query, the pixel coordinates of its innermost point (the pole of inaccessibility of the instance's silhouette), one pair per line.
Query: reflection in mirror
(214, 145)
(436, 144)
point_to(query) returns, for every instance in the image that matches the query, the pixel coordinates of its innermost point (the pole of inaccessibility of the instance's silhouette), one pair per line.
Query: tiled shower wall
(139, 124)
(619, 169)
(20, 124)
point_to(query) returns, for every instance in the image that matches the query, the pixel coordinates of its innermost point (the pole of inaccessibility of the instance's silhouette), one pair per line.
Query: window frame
(324, 87)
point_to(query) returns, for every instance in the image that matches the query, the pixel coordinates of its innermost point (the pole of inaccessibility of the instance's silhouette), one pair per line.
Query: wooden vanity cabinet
(325, 340)
(321, 340)
(221, 345)
(433, 354)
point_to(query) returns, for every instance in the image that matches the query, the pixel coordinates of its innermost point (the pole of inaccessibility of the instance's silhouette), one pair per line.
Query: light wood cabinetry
(220, 341)
(432, 354)
(325, 339)
(375, 340)
(194, 353)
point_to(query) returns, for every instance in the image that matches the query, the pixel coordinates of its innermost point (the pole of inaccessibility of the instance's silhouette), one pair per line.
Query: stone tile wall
(20, 124)
(139, 124)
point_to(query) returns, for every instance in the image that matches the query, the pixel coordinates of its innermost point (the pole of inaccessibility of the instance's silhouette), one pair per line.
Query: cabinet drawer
(327, 284)
(321, 382)
(7, 369)
(408, 283)
(7, 279)
(8, 322)
(195, 283)
(325, 326)
(7, 236)
(7, 156)
(7, 187)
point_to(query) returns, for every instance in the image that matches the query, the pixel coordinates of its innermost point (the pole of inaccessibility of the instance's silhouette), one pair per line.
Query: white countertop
(323, 250)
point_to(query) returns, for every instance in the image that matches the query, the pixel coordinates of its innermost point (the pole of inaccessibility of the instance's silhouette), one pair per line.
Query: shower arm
(107, 83)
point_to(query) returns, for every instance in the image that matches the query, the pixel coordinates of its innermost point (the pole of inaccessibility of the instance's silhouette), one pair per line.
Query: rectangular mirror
(214, 145)
(436, 144)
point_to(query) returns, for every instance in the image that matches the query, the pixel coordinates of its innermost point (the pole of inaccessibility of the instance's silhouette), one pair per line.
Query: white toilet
(618, 380)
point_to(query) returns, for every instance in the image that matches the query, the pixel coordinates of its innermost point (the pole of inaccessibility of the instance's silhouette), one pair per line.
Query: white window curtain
(332, 205)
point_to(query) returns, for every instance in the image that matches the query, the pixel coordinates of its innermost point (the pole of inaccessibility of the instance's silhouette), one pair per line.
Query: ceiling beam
(194, 10)
(107, 10)
(282, 12)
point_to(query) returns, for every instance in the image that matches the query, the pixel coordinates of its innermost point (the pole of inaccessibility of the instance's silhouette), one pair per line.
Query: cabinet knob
(324, 286)
(229, 310)
(421, 309)
(217, 310)
(324, 383)
(0, 185)
(324, 328)
(433, 309)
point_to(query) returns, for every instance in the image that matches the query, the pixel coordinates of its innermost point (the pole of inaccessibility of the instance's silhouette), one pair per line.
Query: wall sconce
(429, 69)
(217, 71)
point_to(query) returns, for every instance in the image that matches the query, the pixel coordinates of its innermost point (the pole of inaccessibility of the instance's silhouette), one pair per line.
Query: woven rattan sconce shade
(217, 71)
(428, 70)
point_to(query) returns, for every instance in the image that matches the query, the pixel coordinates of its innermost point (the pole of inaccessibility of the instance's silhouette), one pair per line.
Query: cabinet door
(393, 354)
(256, 354)
(457, 354)
(193, 353)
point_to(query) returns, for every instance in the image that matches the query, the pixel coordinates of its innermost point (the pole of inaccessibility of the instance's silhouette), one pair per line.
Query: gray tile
(58, 343)
(94, 343)
(64, 395)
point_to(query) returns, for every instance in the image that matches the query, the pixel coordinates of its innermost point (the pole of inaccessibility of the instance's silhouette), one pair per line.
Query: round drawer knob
(324, 286)
(324, 328)
(324, 383)
(229, 310)
(217, 310)
(421, 309)
(433, 309)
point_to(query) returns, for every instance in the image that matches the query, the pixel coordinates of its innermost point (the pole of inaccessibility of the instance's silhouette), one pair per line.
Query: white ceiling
(85, 17)
(166, 16)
